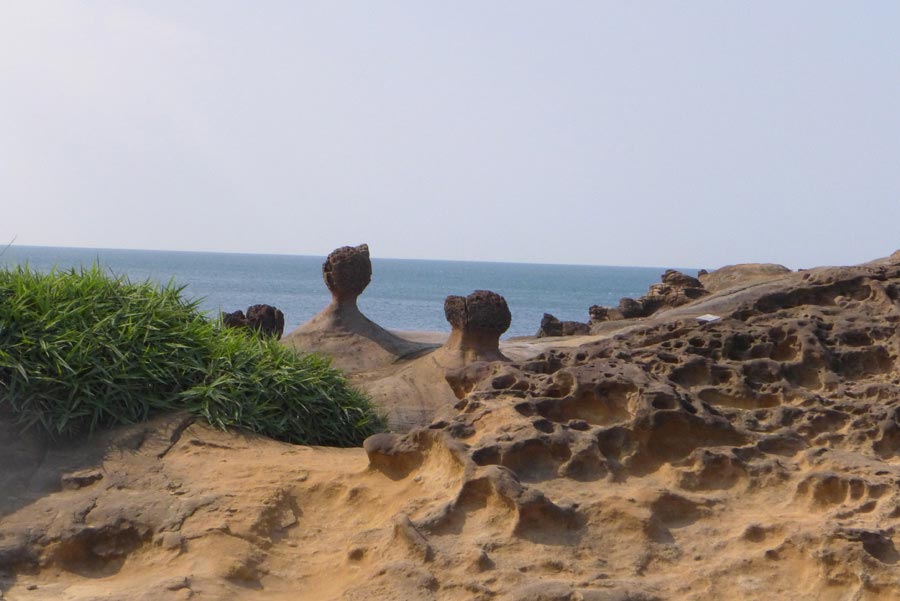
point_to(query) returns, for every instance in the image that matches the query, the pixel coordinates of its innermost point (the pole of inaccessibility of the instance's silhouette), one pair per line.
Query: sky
(695, 134)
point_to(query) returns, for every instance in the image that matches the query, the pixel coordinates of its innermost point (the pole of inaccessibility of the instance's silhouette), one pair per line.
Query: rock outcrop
(674, 290)
(756, 456)
(551, 326)
(741, 275)
(353, 341)
(598, 314)
(265, 318)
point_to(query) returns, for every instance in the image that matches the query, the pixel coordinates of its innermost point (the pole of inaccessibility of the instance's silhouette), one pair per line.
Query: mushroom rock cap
(482, 311)
(347, 271)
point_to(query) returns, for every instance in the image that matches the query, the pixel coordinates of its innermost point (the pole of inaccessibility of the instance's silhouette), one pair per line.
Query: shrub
(80, 350)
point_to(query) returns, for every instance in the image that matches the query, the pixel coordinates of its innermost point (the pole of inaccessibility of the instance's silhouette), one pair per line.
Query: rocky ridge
(753, 456)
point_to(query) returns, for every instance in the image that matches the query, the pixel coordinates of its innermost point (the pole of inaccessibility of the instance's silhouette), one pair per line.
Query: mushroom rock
(353, 341)
(476, 322)
(419, 392)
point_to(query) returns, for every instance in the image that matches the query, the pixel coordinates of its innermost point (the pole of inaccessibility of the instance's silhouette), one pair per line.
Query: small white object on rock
(708, 318)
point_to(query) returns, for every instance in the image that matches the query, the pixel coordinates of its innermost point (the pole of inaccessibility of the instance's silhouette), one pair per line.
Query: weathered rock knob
(482, 311)
(477, 322)
(267, 319)
(347, 271)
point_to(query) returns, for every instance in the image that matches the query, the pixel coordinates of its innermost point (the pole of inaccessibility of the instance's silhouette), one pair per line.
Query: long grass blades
(82, 350)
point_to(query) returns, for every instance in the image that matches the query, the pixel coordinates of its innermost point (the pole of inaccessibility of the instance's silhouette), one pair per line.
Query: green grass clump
(80, 350)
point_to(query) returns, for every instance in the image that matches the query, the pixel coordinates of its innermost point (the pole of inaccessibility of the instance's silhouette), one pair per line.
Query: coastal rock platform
(751, 456)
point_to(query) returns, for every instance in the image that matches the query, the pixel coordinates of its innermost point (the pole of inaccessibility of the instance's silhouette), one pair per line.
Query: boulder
(267, 319)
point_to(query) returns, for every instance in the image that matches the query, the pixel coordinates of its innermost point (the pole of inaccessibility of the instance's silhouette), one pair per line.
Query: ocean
(404, 294)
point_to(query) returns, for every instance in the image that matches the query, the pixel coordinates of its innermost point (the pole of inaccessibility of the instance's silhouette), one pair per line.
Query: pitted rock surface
(752, 457)
(790, 403)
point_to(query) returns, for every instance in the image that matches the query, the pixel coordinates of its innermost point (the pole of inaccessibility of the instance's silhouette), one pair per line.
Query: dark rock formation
(600, 314)
(265, 318)
(551, 326)
(477, 321)
(234, 320)
(674, 290)
(630, 308)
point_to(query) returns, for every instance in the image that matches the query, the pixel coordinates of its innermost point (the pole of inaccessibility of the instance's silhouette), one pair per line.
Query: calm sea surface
(404, 294)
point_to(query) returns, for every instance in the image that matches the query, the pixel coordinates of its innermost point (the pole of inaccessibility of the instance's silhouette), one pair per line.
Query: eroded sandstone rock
(353, 341)
(675, 289)
(551, 326)
(673, 459)
(741, 274)
(477, 321)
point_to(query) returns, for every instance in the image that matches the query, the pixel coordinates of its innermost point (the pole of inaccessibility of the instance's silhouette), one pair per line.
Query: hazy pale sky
(616, 133)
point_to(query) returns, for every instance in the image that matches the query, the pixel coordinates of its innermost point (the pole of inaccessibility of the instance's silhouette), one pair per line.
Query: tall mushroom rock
(477, 321)
(353, 341)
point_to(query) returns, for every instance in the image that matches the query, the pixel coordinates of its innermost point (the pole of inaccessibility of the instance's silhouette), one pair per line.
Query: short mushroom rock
(477, 321)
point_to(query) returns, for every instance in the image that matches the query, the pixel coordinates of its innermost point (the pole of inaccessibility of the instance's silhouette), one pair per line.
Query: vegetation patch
(82, 350)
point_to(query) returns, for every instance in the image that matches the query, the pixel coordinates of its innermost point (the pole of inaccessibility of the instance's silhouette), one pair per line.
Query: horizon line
(234, 252)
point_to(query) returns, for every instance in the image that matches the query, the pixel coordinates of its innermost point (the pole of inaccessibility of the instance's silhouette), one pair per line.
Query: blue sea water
(404, 294)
